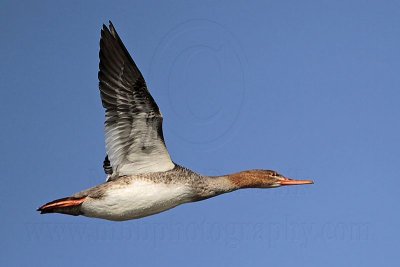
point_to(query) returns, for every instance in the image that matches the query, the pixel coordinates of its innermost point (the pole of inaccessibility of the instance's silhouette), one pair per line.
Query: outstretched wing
(133, 125)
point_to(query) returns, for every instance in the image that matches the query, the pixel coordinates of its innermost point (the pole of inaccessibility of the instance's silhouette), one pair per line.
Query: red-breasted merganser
(142, 179)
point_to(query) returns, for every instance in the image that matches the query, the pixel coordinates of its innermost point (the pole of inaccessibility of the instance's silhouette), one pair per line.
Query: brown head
(262, 179)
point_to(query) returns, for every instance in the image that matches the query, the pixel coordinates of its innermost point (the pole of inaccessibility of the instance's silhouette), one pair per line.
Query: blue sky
(307, 88)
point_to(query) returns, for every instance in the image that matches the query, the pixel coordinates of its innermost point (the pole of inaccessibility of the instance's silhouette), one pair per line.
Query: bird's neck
(216, 185)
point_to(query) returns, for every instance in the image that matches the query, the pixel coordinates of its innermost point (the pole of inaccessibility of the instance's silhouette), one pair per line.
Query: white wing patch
(139, 151)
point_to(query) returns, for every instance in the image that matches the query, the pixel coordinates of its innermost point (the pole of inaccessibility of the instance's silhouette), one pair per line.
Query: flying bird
(142, 179)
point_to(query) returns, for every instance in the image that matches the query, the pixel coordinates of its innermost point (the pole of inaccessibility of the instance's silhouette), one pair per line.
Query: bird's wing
(133, 125)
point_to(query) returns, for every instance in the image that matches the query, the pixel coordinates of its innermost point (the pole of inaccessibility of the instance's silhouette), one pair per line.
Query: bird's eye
(274, 173)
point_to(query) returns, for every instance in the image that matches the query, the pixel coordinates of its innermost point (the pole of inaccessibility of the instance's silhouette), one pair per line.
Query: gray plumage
(202, 186)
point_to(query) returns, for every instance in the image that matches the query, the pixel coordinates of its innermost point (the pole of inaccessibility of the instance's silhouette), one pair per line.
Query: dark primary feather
(107, 166)
(134, 139)
(122, 85)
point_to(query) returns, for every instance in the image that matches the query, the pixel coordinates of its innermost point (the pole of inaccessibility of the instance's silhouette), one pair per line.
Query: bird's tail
(67, 205)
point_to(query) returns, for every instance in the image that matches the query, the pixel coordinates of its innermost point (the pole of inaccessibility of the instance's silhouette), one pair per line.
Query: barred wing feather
(133, 125)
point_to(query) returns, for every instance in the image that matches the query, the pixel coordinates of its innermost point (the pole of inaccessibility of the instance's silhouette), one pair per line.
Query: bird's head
(263, 179)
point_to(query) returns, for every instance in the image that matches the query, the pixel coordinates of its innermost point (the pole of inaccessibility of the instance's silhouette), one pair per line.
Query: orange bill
(295, 182)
